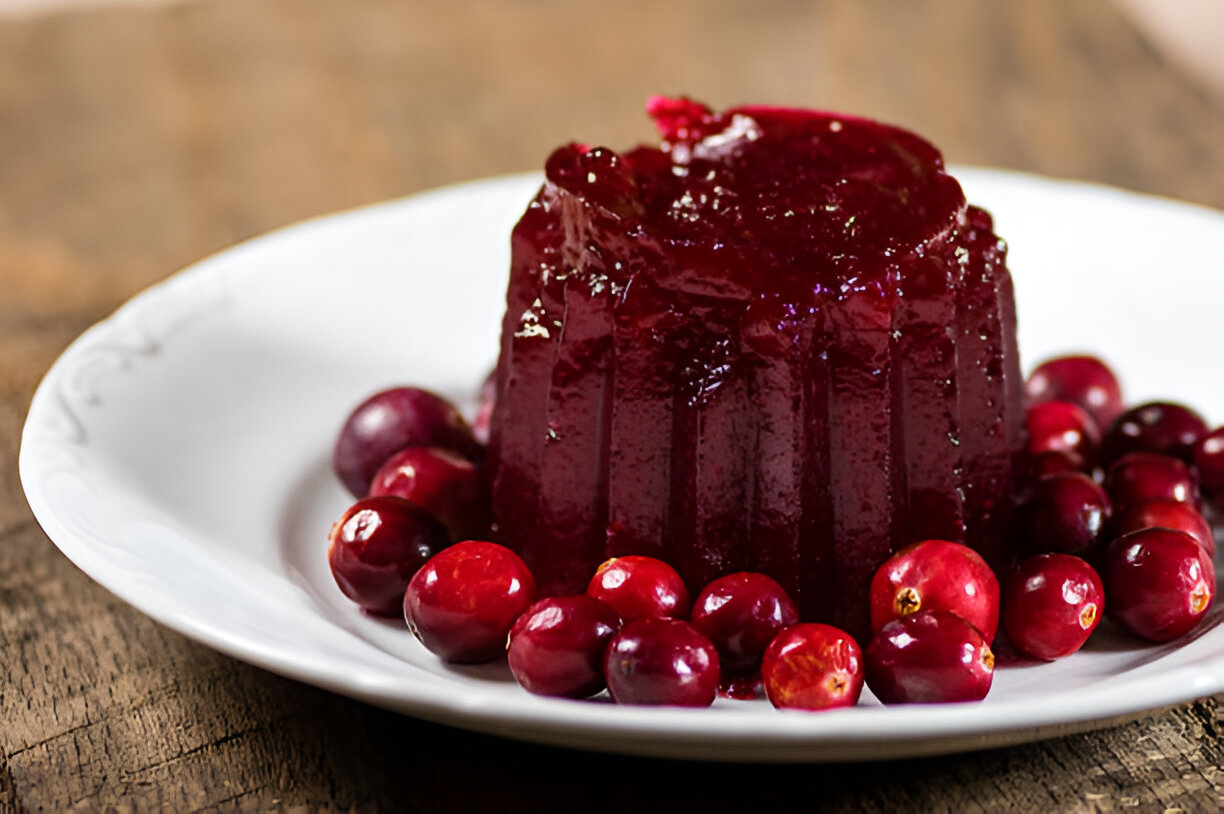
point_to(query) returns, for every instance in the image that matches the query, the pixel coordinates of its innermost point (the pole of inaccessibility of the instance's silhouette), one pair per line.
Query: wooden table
(133, 141)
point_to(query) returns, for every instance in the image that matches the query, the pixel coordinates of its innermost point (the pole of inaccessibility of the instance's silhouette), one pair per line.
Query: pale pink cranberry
(1160, 427)
(741, 614)
(375, 548)
(1066, 512)
(1082, 380)
(813, 666)
(463, 602)
(1051, 605)
(661, 661)
(443, 483)
(639, 587)
(929, 657)
(557, 646)
(1167, 514)
(936, 575)
(1159, 583)
(1060, 426)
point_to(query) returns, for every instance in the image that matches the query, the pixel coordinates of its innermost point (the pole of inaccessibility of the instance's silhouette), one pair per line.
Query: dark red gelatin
(780, 342)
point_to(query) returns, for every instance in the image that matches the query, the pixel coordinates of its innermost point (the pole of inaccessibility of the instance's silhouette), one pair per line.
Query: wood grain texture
(133, 141)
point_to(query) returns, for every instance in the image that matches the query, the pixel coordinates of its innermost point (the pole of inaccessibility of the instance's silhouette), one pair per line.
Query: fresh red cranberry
(557, 646)
(484, 408)
(1051, 605)
(390, 420)
(1209, 459)
(1060, 426)
(446, 485)
(1159, 583)
(1167, 514)
(936, 575)
(1139, 477)
(661, 661)
(813, 666)
(463, 602)
(1066, 512)
(929, 657)
(1036, 467)
(741, 614)
(375, 548)
(1161, 427)
(640, 587)
(1082, 380)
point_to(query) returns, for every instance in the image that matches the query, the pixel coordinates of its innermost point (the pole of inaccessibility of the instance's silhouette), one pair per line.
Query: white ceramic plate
(178, 453)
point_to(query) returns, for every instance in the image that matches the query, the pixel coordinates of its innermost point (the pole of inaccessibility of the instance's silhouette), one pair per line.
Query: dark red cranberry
(1209, 459)
(929, 657)
(1159, 583)
(741, 614)
(1082, 380)
(446, 485)
(1139, 477)
(813, 666)
(936, 575)
(661, 661)
(1051, 605)
(463, 602)
(387, 422)
(484, 408)
(1167, 514)
(1036, 467)
(1060, 426)
(1066, 512)
(375, 548)
(1161, 427)
(640, 587)
(557, 646)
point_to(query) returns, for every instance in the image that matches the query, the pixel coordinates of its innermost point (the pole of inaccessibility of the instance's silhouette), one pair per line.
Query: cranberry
(936, 575)
(929, 657)
(1060, 426)
(1209, 458)
(1066, 512)
(1051, 605)
(1167, 514)
(387, 422)
(449, 487)
(462, 603)
(1082, 380)
(1139, 477)
(1052, 462)
(557, 646)
(813, 666)
(741, 614)
(661, 661)
(640, 587)
(1159, 583)
(375, 548)
(1168, 429)
(484, 408)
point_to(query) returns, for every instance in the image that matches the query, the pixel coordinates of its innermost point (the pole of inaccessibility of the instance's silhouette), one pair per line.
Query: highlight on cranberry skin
(443, 483)
(936, 575)
(929, 657)
(463, 602)
(1060, 426)
(640, 587)
(1051, 605)
(662, 662)
(375, 548)
(391, 420)
(1159, 583)
(557, 645)
(741, 614)
(813, 666)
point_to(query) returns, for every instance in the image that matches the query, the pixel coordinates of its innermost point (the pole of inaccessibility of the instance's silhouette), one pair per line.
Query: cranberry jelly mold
(781, 341)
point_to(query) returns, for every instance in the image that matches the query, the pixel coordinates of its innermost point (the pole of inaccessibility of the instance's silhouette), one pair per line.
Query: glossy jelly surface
(781, 341)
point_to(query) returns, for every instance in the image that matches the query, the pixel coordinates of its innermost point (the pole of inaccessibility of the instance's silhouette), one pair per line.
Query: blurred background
(136, 138)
